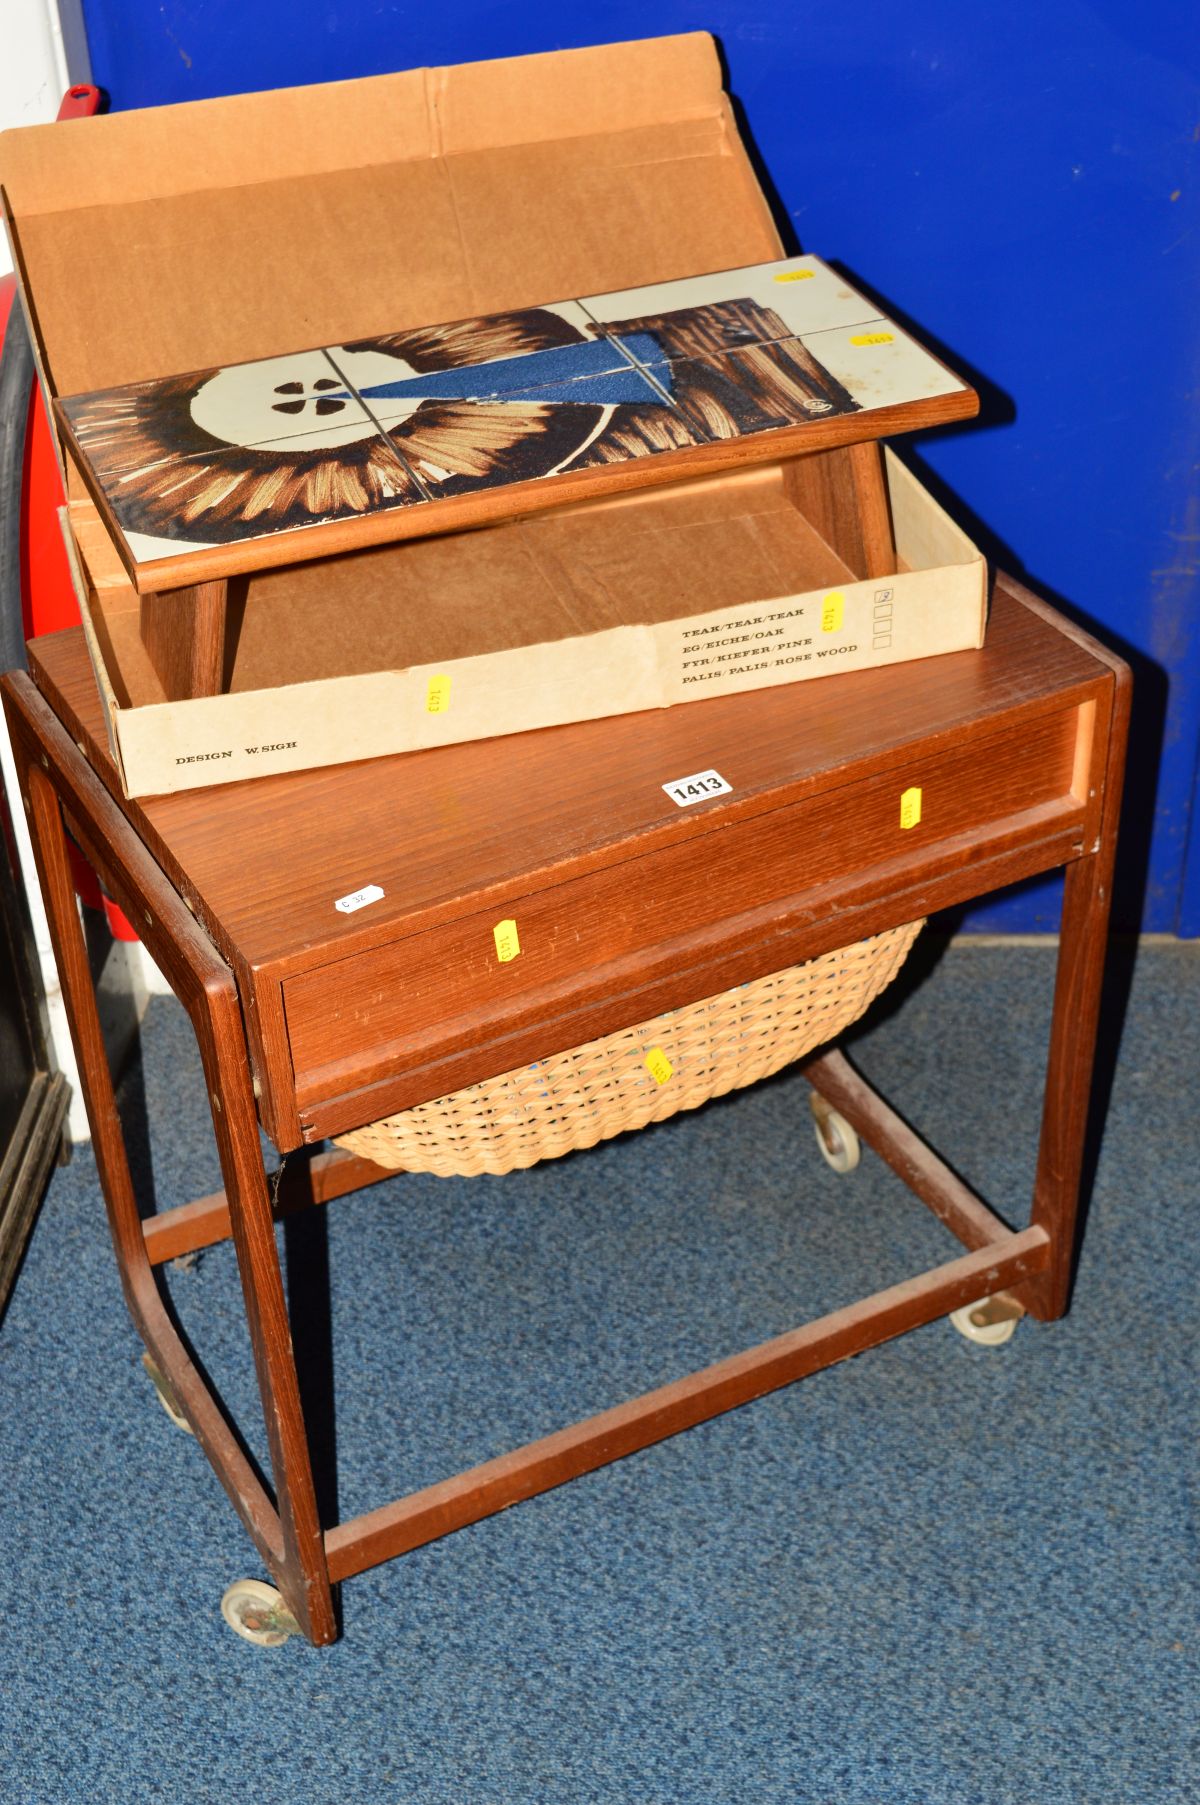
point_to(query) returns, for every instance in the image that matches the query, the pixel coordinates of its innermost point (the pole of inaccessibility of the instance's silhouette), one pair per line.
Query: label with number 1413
(697, 788)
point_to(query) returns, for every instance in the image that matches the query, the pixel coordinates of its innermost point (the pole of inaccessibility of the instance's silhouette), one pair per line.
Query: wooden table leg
(844, 494)
(1083, 947)
(226, 1068)
(1068, 1092)
(289, 1537)
(183, 631)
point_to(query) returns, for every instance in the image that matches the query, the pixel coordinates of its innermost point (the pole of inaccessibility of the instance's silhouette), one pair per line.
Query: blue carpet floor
(938, 1573)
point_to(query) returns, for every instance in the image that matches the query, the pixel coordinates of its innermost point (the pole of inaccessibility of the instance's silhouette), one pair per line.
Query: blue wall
(1020, 181)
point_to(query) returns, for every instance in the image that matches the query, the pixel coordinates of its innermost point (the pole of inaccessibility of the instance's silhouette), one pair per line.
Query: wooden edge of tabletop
(460, 513)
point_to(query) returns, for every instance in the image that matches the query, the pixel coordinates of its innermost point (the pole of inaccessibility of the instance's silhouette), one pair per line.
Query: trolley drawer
(353, 1020)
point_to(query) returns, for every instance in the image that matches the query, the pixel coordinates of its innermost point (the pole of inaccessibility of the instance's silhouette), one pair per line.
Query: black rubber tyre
(16, 388)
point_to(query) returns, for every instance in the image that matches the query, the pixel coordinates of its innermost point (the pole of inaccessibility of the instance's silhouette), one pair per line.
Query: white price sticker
(697, 788)
(368, 894)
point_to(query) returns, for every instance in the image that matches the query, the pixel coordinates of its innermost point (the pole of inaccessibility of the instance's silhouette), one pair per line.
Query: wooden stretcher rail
(204, 1223)
(928, 1177)
(439, 1509)
(326, 1176)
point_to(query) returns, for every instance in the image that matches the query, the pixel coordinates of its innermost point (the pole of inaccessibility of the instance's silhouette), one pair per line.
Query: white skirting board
(45, 53)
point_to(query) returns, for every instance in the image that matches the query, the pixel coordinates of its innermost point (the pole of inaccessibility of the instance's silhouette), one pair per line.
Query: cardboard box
(695, 590)
(168, 240)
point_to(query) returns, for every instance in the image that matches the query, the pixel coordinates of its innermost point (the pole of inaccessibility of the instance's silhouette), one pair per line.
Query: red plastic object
(118, 922)
(47, 598)
(80, 102)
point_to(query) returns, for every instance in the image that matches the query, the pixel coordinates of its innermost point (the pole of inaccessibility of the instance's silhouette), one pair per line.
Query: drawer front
(350, 1021)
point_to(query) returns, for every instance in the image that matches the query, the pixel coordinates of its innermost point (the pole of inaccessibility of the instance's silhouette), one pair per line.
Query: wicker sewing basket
(644, 1074)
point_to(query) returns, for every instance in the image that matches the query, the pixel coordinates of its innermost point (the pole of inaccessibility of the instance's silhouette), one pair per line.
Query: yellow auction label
(437, 696)
(910, 807)
(872, 338)
(832, 610)
(795, 275)
(507, 944)
(658, 1065)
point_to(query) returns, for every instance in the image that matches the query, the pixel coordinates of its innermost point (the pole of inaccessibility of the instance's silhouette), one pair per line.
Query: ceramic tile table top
(407, 433)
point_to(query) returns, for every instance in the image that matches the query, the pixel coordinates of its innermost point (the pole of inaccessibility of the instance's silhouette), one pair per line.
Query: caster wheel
(835, 1137)
(166, 1396)
(982, 1322)
(257, 1613)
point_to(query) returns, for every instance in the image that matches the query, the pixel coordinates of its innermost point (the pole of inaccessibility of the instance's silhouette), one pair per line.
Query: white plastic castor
(256, 1612)
(166, 1396)
(835, 1137)
(991, 1322)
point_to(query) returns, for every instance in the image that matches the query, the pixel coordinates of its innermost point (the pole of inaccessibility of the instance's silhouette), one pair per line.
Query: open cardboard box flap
(179, 237)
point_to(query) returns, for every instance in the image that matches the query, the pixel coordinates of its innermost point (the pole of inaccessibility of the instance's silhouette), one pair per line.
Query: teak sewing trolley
(628, 906)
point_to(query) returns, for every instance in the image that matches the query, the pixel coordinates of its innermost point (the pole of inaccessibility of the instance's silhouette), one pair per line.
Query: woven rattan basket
(644, 1074)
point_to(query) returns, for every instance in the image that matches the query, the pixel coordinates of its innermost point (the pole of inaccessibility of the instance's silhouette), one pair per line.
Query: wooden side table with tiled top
(853, 806)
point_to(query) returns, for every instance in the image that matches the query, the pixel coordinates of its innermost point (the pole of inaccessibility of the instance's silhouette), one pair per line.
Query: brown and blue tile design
(757, 388)
(395, 420)
(250, 493)
(223, 455)
(552, 394)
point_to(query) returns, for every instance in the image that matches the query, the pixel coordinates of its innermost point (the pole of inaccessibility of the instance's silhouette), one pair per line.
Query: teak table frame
(68, 786)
